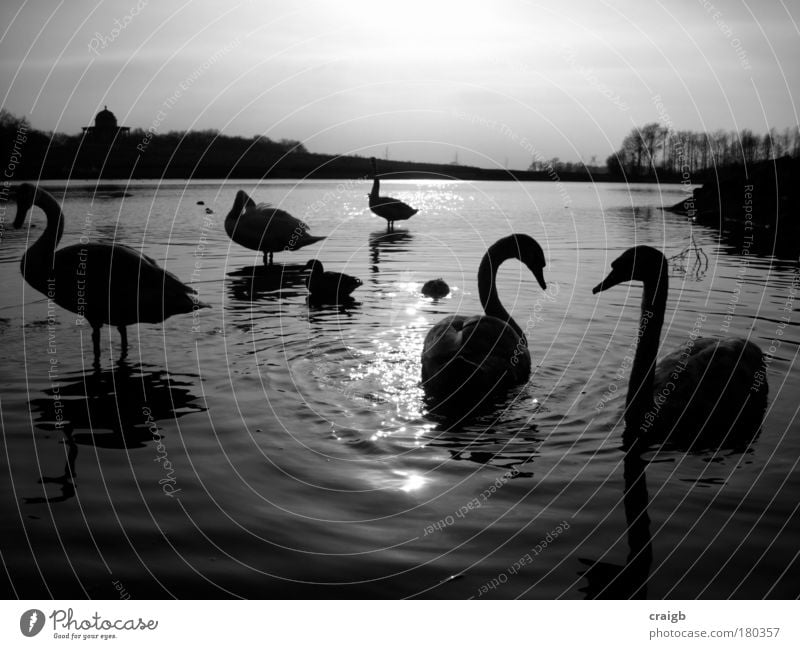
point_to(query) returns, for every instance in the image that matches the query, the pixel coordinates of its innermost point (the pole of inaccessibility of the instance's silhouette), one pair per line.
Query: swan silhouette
(263, 227)
(387, 208)
(101, 282)
(329, 286)
(476, 355)
(707, 390)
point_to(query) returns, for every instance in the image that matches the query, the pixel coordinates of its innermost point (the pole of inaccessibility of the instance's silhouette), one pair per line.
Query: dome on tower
(105, 119)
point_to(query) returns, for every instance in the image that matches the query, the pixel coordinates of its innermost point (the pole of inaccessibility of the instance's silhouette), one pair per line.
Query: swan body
(706, 389)
(327, 285)
(103, 283)
(263, 227)
(475, 355)
(387, 208)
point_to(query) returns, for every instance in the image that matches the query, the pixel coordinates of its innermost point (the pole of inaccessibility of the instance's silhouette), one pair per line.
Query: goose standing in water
(263, 227)
(390, 209)
(469, 356)
(706, 390)
(103, 283)
(328, 286)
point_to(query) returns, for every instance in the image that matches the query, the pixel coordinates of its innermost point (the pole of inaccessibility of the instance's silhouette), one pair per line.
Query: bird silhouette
(103, 283)
(263, 227)
(329, 286)
(707, 392)
(387, 208)
(473, 356)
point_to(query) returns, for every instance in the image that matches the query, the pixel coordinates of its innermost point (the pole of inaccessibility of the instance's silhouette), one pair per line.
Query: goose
(387, 208)
(707, 388)
(103, 283)
(263, 227)
(327, 286)
(476, 355)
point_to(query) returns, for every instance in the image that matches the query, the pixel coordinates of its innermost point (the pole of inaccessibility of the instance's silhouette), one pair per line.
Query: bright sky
(490, 81)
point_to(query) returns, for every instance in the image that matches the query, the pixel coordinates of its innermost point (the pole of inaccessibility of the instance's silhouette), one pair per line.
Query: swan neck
(651, 321)
(376, 187)
(236, 210)
(45, 247)
(487, 287)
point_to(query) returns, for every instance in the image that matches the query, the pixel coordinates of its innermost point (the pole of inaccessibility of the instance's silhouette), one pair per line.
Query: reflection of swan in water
(497, 431)
(610, 581)
(708, 393)
(466, 358)
(65, 481)
(487, 441)
(114, 409)
(251, 283)
(385, 242)
(101, 282)
(391, 209)
(265, 228)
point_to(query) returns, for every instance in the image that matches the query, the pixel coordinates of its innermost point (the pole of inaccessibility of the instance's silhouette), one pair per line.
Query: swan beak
(539, 275)
(608, 282)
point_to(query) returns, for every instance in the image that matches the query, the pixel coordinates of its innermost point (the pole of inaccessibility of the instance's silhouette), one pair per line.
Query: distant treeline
(648, 153)
(209, 154)
(656, 150)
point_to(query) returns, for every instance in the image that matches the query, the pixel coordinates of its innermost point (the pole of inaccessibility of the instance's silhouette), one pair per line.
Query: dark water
(267, 448)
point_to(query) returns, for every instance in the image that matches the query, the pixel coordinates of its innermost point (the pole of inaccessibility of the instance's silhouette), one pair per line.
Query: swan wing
(115, 284)
(717, 363)
(479, 349)
(268, 229)
(708, 381)
(391, 208)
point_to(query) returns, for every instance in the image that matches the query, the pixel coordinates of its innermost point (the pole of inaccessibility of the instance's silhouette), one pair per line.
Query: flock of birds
(710, 384)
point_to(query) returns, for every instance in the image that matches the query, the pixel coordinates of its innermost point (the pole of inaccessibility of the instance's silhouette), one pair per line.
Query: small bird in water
(388, 208)
(328, 286)
(435, 288)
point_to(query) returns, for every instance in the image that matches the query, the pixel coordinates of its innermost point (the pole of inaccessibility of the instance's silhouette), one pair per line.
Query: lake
(266, 448)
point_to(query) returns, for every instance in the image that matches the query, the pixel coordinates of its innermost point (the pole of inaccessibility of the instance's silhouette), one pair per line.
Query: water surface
(268, 448)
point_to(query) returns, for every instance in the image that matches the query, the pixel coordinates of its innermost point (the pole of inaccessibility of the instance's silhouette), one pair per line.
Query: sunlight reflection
(412, 483)
(393, 368)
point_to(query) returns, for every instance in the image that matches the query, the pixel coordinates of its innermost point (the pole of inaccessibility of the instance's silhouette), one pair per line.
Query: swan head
(26, 195)
(241, 202)
(313, 265)
(527, 250)
(638, 264)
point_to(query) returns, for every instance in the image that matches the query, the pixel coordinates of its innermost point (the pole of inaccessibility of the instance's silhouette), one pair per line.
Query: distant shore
(312, 166)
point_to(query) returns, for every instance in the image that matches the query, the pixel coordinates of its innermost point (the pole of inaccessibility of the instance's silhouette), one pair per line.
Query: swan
(708, 387)
(103, 283)
(326, 285)
(474, 355)
(390, 209)
(263, 227)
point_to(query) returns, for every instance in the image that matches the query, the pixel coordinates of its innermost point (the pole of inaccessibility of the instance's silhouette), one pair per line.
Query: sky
(488, 83)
